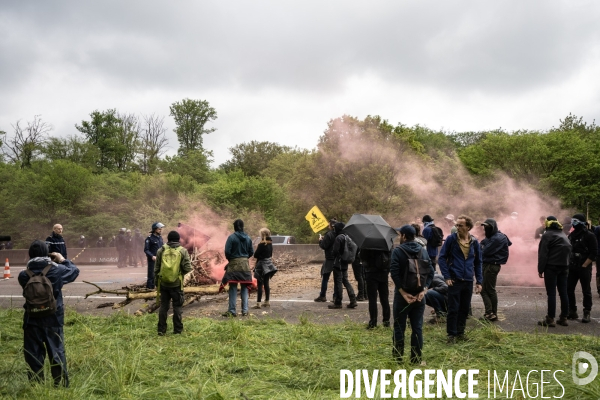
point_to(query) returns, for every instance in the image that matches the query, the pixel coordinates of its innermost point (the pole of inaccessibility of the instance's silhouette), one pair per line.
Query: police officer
(138, 248)
(153, 242)
(129, 249)
(121, 244)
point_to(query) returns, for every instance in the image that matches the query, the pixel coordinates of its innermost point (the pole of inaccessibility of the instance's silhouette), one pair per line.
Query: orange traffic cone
(6, 269)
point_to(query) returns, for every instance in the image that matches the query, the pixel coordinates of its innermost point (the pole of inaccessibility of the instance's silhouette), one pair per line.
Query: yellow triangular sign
(316, 219)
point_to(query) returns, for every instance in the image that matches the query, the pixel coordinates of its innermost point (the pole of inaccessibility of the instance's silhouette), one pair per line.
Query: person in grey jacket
(437, 298)
(554, 253)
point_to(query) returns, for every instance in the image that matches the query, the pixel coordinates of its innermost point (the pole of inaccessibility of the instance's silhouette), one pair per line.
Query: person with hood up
(437, 298)
(45, 334)
(494, 250)
(56, 242)
(554, 251)
(408, 303)
(340, 271)
(459, 261)
(264, 269)
(326, 243)
(238, 249)
(583, 253)
(153, 242)
(171, 291)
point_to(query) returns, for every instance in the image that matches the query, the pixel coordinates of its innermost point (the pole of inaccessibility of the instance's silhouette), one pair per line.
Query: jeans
(41, 340)
(324, 282)
(459, 302)
(377, 282)
(437, 301)
(556, 278)
(264, 282)
(414, 312)
(488, 291)
(166, 295)
(233, 298)
(359, 275)
(340, 280)
(150, 279)
(583, 275)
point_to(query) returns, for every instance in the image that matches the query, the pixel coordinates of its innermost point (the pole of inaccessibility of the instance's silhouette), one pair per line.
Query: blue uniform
(56, 244)
(151, 245)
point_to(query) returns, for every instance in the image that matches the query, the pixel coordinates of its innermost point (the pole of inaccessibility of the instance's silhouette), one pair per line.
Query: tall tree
(27, 142)
(190, 118)
(72, 148)
(254, 157)
(153, 143)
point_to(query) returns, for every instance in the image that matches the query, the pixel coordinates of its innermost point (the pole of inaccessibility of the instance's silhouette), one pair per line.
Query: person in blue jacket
(238, 249)
(494, 250)
(154, 241)
(460, 261)
(45, 334)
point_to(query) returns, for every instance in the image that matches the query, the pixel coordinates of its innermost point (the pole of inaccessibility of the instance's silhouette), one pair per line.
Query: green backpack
(169, 267)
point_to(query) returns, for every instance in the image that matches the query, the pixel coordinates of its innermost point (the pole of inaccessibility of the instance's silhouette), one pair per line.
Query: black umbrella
(370, 232)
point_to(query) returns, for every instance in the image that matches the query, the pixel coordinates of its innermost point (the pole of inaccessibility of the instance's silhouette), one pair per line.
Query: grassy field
(121, 357)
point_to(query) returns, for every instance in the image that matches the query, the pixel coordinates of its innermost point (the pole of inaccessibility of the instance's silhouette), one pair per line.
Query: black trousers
(359, 275)
(150, 274)
(264, 282)
(583, 275)
(166, 295)
(340, 280)
(459, 302)
(377, 283)
(556, 278)
(41, 340)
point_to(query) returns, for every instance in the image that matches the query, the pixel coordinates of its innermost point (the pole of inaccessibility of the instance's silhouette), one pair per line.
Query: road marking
(95, 282)
(137, 273)
(18, 296)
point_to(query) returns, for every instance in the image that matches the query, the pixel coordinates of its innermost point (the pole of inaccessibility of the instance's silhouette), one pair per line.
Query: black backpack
(437, 237)
(350, 248)
(38, 293)
(416, 274)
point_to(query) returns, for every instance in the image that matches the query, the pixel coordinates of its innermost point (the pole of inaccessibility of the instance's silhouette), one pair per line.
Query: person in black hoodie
(340, 271)
(377, 268)
(554, 252)
(584, 252)
(494, 253)
(326, 243)
(264, 269)
(408, 304)
(45, 334)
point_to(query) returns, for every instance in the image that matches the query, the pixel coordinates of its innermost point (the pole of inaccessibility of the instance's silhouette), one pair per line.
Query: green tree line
(115, 174)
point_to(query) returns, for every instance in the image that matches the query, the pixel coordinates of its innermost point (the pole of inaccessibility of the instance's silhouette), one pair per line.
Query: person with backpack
(344, 251)
(377, 269)
(554, 251)
(153, 242)
(172, 263)
(412, 273)
(264, 269)
(326, 243)
(459, 261)
(238, 249)
(583, 253)
(494, 254)
(434, 236)
(44, 316)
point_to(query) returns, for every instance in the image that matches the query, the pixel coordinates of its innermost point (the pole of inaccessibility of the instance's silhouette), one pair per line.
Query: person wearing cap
(428, 234)
(460, 261)
(408, 305)
(554, 252)
(56, 242)
(238, 249)
(584, 252)
(494, 251)
(326, 243)
(138, 247)
(171, 291)
(45, 334)
(153, 242)
(121, 245)
(340, 271)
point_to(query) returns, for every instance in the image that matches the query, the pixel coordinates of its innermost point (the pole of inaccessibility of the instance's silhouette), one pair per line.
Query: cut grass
(121, 357)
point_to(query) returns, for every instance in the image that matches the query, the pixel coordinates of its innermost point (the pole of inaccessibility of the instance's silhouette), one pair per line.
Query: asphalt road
(520, 307)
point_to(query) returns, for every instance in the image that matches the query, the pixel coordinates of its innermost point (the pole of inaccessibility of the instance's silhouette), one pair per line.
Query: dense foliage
(114, 173)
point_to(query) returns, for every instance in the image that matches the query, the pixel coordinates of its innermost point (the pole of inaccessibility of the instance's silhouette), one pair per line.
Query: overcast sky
(280, 70)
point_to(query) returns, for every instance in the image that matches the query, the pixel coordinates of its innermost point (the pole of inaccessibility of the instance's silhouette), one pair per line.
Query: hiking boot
(386, 324)
(586, 317)
(549, 322)
(462, 338)
(229, 314)
(266, 304)
(353, 303)
(451, 340)
(492, 317)
(257, 306)
(371, 325)
(562, 321)
(573, 314)
(321, 299)
(434, 320)
(334, 306)
(244, 314)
